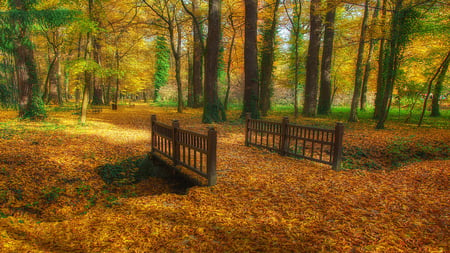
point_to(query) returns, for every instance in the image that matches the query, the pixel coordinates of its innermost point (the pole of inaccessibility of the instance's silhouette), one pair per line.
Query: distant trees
(116, 51)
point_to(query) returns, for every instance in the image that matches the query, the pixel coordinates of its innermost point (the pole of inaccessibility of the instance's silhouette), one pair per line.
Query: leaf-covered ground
(393, 196)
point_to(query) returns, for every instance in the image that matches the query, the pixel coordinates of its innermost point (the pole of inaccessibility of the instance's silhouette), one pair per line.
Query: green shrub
(52, 194)
(125, 172)
(36, 110)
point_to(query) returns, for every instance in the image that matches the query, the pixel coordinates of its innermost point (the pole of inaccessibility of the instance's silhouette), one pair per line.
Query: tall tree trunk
(197, 73)
(30, 101)
(368, 67)
(97, 98)
(230, 53)
(295, 21)
(312, 61)
(177, 57)
(359, 67)
(438, 88)
(190, 84)
(251, 89)
(392, 60)
(380, 77)
(327, 55)
(267, 58)
(54, 81)
(87, 73)
(213, 110)
(59, 79)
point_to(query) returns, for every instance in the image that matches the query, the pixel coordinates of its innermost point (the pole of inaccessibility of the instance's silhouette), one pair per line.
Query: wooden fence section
(312, 143)
(194, 151)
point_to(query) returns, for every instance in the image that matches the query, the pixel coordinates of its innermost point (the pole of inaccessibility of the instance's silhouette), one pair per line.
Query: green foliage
(162, 65)
(125, 172)
(36, 109)
(83, 190)
(3, 196)
(52, 194)
(406, 149)
(29, 17)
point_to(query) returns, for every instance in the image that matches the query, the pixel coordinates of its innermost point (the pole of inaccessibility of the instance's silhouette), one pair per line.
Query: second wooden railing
(312, 143)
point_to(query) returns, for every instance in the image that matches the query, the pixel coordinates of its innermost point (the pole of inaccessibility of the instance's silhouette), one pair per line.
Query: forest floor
(392, 196)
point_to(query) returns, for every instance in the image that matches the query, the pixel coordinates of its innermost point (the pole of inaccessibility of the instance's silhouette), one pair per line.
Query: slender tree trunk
(251, 90)
(230, 53)
(359, 67)
(392, 61)
(87, 74)
(295, 21)
(117, 92)
(97, 98)
(312, 61)
(178, 71)
(49, 89)
(198, 62)
(438, 88)
(440, 74)
(327, 55)
(267, 58)
(380, 78)
(30, 101)
(213, 110)
(59, 85)
(368, 66)
(190, 85)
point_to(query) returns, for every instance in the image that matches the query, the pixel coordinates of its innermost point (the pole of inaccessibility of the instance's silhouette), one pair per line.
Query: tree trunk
(380, 78)
(312, 61)
(197, 71)
(87, 74)
(392, 60)
(251, 89)
(30, 101)
(97, 98)
(230, 53)
(359, 67)
(438, 88)
(213, 110)
(190, 84)
(368, 66)
(177, 57)
(327, 55)
(295, 21)
(267, 58)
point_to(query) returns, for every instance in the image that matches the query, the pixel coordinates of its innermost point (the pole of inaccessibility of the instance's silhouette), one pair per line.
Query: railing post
(283, 136)
(337, 153)
(248, 116)
(175, 144)
(211, 157)
(153, 120)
